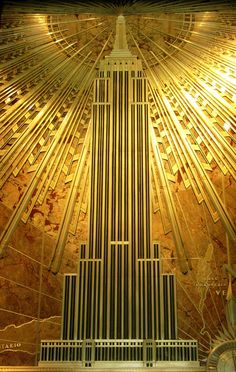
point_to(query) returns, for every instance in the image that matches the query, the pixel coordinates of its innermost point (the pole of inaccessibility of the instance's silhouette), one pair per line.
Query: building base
(108, 367)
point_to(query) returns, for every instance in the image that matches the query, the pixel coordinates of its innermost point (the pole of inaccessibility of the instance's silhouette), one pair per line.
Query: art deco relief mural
(50, 57)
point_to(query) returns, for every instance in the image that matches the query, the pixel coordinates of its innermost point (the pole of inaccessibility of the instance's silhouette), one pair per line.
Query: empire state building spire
(120, 48)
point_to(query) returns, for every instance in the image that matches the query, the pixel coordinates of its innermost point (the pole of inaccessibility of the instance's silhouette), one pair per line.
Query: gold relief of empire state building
(117, 185)
(120, 308)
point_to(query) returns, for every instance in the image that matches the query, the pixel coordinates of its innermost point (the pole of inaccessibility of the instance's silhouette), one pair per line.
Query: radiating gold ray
(218, 141)
(71, 199)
